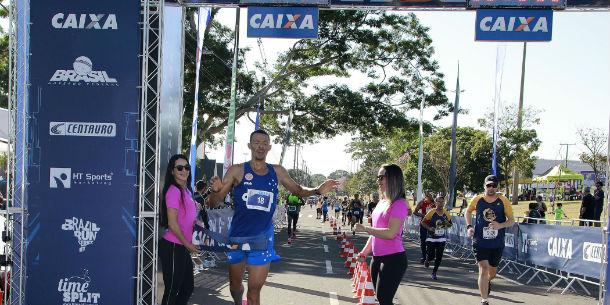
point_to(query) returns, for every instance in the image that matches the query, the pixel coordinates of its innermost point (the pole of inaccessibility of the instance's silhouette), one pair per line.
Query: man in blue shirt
(254, 185)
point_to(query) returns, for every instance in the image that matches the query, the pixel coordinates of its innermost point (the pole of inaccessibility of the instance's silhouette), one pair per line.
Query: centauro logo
(282, 21)
(514, 24)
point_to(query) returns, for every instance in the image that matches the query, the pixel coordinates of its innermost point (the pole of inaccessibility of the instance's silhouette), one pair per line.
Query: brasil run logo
(84, 231)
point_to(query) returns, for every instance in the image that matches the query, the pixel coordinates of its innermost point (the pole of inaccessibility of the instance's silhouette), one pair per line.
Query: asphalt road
(311, 272)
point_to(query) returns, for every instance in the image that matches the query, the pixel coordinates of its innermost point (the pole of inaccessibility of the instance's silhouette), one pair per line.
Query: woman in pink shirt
(177, 214)
(389, 261)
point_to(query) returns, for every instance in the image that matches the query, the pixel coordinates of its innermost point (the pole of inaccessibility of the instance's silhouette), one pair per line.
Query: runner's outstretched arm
(299, 190)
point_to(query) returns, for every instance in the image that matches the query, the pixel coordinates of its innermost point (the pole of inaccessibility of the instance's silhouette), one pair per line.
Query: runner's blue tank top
(486, 213)
(254, 200)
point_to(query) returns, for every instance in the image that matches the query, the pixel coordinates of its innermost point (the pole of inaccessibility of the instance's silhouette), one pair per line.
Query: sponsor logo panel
(66, 178)
(84, 231)
(82, 74)
(82, 129)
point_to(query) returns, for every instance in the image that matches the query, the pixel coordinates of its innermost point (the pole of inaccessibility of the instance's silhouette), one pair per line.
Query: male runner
(293, 208)
(254, 185)
(493, 213)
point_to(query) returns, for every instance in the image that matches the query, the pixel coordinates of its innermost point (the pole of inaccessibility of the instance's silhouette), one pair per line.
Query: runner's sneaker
(482, 303)
(434, 276)
(426, 263)
(422, 260)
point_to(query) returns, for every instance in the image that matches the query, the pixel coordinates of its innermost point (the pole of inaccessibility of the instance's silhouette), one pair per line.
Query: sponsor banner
(513, 25)
(381, 3)
(517, 3)
(283, 22)
(219, 223)
(577, 250)
(82, 129)
(83, 141)
(511, 243)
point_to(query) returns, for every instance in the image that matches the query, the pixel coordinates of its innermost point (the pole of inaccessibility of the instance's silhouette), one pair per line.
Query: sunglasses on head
(491, 185)
(380, 177)
(183, 167)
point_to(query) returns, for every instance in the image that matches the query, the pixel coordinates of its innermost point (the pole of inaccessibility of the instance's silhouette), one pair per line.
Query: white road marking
(310, 216)
(332, 296)
(326, 248)
(329, 267)
(324, 238)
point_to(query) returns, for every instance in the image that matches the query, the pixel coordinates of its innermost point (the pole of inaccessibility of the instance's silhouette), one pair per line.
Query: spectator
(559, 213)
(533, 214)
(541, 208)
(599, 201)
(587, 208)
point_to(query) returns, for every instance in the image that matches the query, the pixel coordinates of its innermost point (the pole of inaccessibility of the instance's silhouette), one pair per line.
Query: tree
(514, 148)
(385, 48)
(317, 179)
(301, 177)
(594, 140)
(4, 62)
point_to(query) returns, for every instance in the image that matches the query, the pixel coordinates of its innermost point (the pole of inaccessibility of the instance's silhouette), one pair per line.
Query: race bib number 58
(259, 200)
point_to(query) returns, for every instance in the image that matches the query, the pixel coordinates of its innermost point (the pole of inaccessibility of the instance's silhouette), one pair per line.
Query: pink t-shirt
(187, 213)
(381, 219)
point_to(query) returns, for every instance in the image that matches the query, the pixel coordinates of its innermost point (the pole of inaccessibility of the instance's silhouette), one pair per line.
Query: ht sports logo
(82, 74)
(75, 290)
(84, 21)
(84, 231)
(82, 129)
(64, 178)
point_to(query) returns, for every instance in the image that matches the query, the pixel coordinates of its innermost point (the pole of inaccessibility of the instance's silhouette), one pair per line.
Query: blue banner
(283, 22)
(82, 168)
(577, 250)
(513, 25)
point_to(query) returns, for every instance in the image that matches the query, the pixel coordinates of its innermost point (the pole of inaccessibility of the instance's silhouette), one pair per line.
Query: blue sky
(568, 79)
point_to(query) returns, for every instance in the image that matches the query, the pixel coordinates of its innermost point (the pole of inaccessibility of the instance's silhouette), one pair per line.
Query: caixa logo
(84, 231)
(76, 290)
(514, 24)
(282, 21)
(82, 74)
(592, 252)
(560, 247)
(66, 178)
(84, 21)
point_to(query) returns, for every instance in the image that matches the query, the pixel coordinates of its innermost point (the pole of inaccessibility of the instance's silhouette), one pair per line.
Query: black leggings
(177, 268)
(423, 234)
(292, 220)
(386, 273)
(435, 252)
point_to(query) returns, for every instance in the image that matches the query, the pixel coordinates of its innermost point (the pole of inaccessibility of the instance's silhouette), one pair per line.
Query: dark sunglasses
(491, 185)
(380, 177)
(183, 167)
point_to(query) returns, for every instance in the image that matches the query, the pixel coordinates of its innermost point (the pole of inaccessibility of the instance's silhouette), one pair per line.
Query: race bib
(439, 231)
(259, 200)
(356, 212)
(292, 208)
(489, 233)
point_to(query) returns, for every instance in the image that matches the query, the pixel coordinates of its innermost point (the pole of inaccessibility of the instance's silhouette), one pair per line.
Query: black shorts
(492, 255)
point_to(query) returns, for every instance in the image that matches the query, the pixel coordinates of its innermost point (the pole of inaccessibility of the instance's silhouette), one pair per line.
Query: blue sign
(283, 22)
(83, 152)
(513, 25)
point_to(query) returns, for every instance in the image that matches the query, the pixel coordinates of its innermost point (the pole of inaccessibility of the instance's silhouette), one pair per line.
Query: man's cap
(491, 179)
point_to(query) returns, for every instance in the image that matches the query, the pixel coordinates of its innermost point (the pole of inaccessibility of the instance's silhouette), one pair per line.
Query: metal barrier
(531, 251)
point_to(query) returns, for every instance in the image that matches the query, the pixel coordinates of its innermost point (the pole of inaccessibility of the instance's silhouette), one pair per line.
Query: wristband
(468, 227)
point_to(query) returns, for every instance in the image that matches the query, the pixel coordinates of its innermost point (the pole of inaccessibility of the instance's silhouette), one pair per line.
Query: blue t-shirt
(324, 206)
(255, 200)
(499, 210)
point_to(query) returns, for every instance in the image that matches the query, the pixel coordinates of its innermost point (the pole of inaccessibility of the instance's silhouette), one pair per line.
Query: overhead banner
(513, 25)
(283, 22)
(82, 171)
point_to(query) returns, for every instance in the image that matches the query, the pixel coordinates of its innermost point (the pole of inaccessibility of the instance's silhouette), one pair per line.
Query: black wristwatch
(468, 227)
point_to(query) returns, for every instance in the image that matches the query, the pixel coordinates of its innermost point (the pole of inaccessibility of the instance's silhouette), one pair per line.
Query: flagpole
(201, 25)
(229, 149)
(453, 149)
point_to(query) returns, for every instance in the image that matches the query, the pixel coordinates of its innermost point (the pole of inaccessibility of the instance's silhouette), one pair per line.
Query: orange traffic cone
(368, 293)
(350, 253)
(356, 276)
(362, 282)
